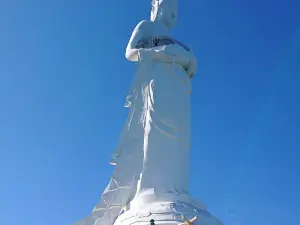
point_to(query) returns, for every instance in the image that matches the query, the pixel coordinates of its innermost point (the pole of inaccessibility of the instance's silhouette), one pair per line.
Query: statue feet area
(167, 213)
(163, 210)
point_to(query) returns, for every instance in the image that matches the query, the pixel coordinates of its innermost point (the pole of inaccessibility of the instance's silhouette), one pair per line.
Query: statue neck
(161, 24)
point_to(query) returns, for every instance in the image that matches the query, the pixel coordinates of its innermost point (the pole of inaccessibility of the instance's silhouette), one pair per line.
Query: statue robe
(152, 157)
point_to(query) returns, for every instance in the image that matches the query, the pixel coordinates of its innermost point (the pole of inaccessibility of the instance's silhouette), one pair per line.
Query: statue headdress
(161, 1)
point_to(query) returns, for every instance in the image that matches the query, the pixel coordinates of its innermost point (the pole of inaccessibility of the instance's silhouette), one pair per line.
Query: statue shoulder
(144, 25)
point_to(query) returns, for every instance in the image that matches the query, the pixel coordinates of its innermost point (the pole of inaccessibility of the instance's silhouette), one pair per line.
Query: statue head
(165, 12)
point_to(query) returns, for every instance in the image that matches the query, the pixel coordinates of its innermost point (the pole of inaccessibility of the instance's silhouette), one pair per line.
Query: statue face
(166, 12)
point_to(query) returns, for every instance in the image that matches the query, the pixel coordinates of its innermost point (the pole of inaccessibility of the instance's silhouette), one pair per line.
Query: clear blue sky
(63, 81)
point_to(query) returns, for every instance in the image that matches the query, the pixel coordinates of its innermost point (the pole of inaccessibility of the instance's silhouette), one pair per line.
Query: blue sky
(63, 81)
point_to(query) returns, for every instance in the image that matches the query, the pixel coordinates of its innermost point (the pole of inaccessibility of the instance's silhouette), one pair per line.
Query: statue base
(146, 208)
(154, 209)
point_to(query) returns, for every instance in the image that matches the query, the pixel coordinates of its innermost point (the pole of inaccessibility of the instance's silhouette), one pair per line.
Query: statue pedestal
(145, 208)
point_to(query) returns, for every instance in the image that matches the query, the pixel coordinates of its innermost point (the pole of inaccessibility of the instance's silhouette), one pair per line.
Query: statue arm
(143, 30)
(156, 53)
(132, 53)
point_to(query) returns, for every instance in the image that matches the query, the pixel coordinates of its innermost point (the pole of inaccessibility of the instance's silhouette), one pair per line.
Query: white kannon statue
(152, 160)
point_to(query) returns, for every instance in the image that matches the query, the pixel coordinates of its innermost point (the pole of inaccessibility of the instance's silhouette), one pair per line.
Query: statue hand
(192, 67)
(161, 54)
(184, 58)
(157, 54)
